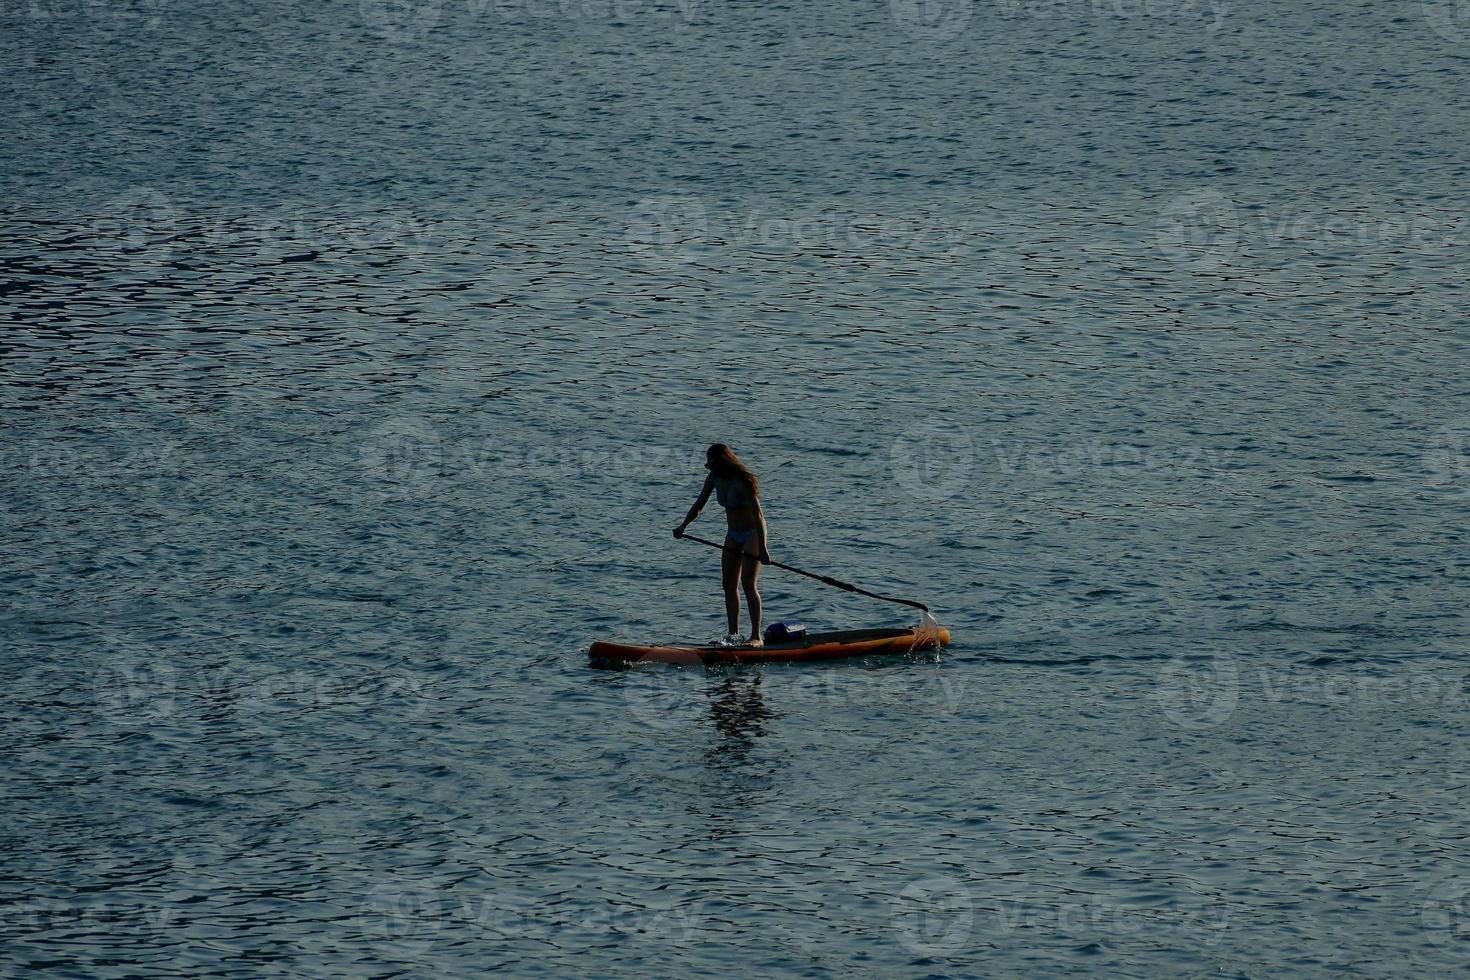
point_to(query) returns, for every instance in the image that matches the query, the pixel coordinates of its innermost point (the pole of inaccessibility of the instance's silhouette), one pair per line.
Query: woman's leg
(750, 572)
(729, 579)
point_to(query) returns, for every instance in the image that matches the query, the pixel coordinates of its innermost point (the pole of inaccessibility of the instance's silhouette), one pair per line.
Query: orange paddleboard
(816, 646)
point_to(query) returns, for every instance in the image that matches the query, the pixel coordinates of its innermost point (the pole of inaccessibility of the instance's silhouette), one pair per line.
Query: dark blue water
(358, 359)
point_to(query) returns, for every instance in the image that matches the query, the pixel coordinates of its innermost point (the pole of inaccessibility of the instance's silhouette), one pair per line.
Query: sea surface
(357, 360)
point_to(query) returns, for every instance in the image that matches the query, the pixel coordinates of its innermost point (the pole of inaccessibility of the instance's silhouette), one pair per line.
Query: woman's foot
(730, 640)
(755, 641)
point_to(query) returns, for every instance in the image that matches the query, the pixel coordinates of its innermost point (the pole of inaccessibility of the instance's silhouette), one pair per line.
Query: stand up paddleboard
(815, 646)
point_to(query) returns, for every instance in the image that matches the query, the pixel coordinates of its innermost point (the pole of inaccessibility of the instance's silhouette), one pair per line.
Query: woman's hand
(765, 557)
(679, 531)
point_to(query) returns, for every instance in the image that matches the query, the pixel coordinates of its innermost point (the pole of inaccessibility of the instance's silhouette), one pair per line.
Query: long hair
(725, 464)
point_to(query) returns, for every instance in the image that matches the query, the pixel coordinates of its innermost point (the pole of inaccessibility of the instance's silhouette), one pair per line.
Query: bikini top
(732, 493)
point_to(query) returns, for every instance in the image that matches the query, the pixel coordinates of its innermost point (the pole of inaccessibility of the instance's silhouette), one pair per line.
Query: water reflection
(739, 711)
(742, 771)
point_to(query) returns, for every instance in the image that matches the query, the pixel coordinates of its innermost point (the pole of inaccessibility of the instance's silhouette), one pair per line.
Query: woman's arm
(709, 484)
(760, 539)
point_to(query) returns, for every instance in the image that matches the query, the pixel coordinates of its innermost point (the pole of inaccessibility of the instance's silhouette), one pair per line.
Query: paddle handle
(824, 579)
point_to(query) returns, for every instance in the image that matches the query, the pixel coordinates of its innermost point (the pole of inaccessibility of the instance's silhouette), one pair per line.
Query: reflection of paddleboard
(815, 646)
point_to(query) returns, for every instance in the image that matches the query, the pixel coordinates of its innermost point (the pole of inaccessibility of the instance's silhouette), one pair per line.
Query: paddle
(845, 586)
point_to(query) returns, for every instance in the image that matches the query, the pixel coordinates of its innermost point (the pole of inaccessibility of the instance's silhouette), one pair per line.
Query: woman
(739, 492)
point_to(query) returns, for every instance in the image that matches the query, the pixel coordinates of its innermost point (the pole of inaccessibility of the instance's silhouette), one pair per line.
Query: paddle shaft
(825, 579)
